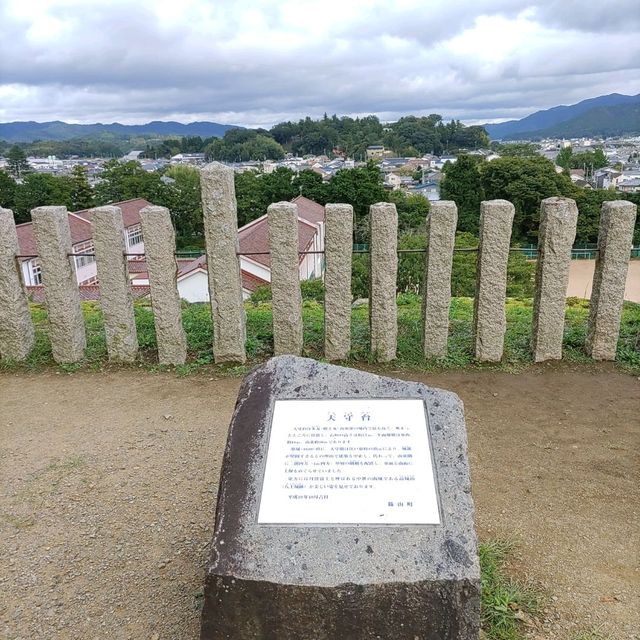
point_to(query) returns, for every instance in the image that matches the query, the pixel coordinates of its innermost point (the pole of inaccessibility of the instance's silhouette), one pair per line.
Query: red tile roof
(80, 225)
(250, 281)
(254, 237)
(309, 209)
(87, 292)
(130, 211)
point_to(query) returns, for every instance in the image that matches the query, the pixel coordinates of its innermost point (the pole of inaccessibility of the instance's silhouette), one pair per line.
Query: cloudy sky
(258, 62)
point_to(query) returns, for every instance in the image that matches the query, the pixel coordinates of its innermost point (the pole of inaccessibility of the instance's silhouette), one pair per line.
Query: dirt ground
(581, 280)
(108, 485)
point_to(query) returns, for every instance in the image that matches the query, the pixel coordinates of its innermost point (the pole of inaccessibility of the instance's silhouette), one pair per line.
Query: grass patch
(506, 605)
(259, 345)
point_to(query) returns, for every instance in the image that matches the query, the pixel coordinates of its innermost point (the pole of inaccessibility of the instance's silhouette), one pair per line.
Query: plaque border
(328, 525)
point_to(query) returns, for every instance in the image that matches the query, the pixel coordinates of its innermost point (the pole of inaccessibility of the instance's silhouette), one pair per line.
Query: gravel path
(108, 485)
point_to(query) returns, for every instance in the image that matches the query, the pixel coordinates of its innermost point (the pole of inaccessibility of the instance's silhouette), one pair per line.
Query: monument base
(285, 572)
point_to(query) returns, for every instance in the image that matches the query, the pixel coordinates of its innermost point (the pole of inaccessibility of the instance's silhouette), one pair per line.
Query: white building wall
(194, 287)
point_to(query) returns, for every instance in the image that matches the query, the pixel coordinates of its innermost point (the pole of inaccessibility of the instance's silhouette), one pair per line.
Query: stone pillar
(66, 323)
(383, 311)
(558, 219)
(115, 290)
(159, 248)
(16, 327)
(285, 278)
(489, 319)
(338, 248)
(615, 240)
(441, 237)
(225, 286)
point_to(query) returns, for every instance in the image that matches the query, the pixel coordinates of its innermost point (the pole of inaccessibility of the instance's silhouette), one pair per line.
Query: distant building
(82, 242)
(255, 261)
(376, 152)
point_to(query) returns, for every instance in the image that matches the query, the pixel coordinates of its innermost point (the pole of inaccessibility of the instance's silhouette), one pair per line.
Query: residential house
(255, 261)
(82, 243)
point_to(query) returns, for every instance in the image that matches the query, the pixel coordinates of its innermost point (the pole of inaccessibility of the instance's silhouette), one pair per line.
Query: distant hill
(56, 130)
(595, 116)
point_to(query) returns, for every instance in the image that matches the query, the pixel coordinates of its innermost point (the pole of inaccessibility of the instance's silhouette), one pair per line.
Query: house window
(134, 235)
(84, 247)
(36, 274)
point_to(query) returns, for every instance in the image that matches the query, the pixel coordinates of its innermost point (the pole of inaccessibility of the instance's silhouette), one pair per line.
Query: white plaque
(349, 462)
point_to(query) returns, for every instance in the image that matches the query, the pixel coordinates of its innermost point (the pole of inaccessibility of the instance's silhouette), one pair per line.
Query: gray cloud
(258, 63)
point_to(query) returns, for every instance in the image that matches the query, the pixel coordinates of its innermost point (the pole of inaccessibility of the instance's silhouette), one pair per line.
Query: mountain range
(611, 115)
(57, 130)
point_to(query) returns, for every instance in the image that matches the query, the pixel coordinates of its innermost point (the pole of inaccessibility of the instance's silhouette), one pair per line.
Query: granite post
(16, 327)
(225, 286)
(285, 278)
(159, 248)
(441, 237)
(489, 320)
(66, 323)
(383, 310)
(338, 250)
(337, 581)
(115, 290)
(615, 239)
(558, 219)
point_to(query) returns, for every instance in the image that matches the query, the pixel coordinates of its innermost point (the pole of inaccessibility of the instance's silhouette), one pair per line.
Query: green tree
(17, 163)
(462, 184)
(563, 159)
(310, 184)
(412, 210)
(517, 149)
(81, 192)
(7, 190)
(127, 180)
(360, 187)
(184, 200)
(39, 190)
(525, 182)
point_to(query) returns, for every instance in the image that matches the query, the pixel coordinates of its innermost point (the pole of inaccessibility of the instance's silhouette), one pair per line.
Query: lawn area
(197, 323)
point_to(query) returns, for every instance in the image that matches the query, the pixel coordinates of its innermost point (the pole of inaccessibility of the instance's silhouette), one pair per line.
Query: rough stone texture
(66, 324)
(115, 290)
(338, 249)
(383, 311)
(441, 236)
(159, 248)
(615, 239)
(16, 327)
(285, 278)
(489, 319)
(330, 583)
(558, 219)
(225, 286)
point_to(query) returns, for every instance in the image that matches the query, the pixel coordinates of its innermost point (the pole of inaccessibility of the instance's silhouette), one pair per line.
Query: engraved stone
(396, 560)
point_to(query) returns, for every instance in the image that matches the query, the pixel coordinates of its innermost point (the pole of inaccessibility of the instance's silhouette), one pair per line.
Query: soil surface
(108, 486)
(581, 279)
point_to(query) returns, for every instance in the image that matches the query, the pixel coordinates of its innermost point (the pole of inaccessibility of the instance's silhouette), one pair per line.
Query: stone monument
(344, 511)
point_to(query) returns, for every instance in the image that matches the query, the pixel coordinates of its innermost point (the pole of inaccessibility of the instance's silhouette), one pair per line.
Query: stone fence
(66, 325)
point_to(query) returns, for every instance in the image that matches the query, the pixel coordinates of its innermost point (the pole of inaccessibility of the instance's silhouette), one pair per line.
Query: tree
(127, 180)
(517, 149)
(412, 210)
(81, 192)
(310, 184)
(184, 200)
(17, 163)
(360, 187)
(525, 182)
(7, 190)
(462, 184)
(39, 190)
